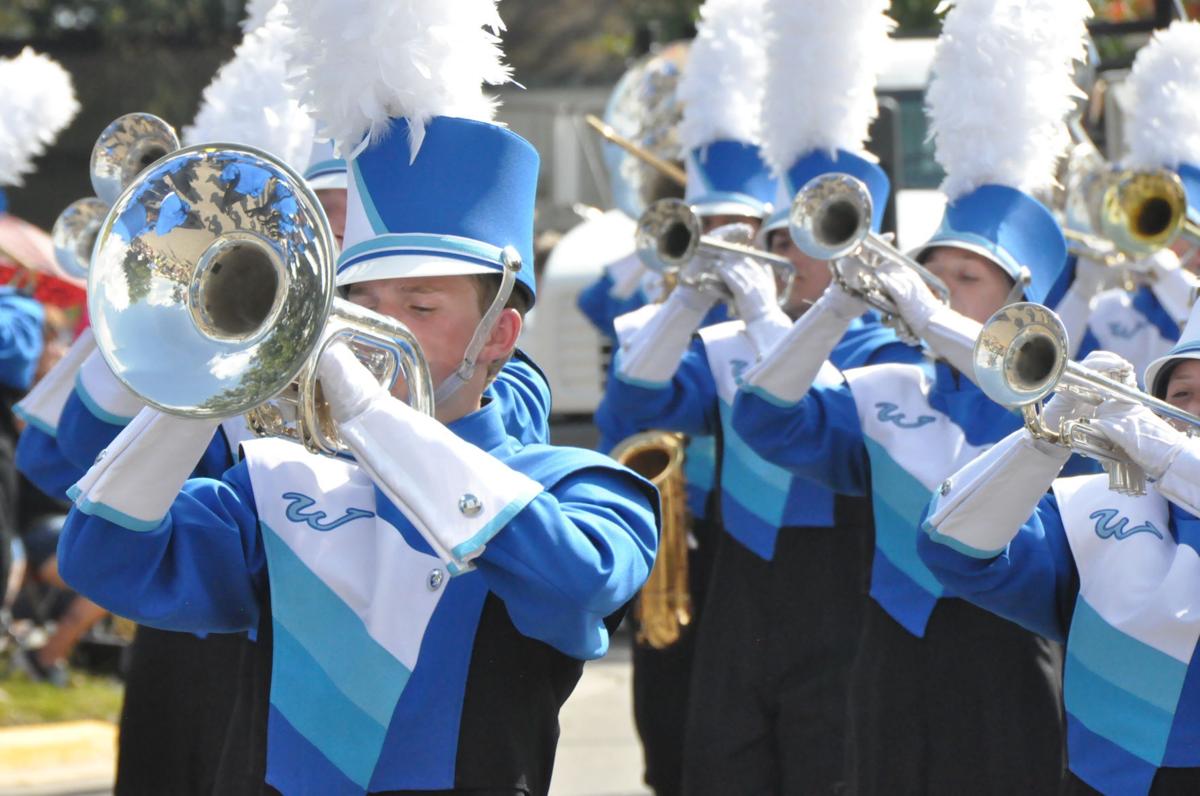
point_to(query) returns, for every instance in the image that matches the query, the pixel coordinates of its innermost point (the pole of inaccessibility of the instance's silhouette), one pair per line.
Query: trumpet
(211, 293)
(830, 220)
(1130, 215)
(125, 147)
(1020, 358)
(669, 235)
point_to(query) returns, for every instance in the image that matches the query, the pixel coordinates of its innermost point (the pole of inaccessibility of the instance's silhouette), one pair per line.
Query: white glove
(910, 294)
(1069, 406)
(752, 285)
(1172, 284)
(626, 275)
(138, 476)
(1151, 442)
(979, 509)
(460, 502)
(1092, 277)
(1180, 484)
(708, 262)
(790, 368)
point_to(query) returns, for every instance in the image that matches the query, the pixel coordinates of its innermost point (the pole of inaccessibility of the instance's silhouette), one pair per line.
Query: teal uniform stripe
(115, 516)
(348, 737)
(494, 526)
(364, 196)
(1115, 714)
(366, 673)
(96, 409)
(899, 499)
(759, 486)
(35, 421)
(700, 462)
(402, 242)
(1148, 674)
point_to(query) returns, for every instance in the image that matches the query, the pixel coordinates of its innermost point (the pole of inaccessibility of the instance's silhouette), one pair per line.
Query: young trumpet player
(1114, 577)
(424, 607)
(939, 701)
(772, 656)
(1162, 125)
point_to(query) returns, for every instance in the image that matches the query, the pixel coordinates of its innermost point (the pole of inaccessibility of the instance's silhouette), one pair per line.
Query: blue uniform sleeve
(21, 339)
(201, 570)
(1033, 582)
(83, 434)
(687, 403)
(574, 555)
(524, 397)
(40, 460)
(820, 438)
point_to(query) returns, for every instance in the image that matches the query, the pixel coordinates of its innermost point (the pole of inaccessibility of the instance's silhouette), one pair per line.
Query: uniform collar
(483, 428)
(981, 419)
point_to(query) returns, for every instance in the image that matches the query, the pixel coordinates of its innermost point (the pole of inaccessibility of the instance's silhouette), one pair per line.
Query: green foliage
(123, 23)
(88, 697)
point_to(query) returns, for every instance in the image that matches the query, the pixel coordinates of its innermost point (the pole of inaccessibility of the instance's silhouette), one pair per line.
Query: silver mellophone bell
(1020, 358)
(211, 286)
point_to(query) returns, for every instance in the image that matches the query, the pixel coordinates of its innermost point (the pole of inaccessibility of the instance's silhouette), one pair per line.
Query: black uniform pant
(1167, 782)
(973, 707)
(772, 667)
(179, 698)
(662, 679)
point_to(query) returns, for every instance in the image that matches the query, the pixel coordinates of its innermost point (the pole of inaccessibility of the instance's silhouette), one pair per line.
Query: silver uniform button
(100, 456)
(469, 505)
(436, 578)
(945, 487)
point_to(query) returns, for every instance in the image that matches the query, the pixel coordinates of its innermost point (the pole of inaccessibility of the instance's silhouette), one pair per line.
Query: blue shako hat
(819, 162)
(467, 195)
(1191, 184)
(1010, 228)
(1188, 347)
(325, 171)
(729, 177)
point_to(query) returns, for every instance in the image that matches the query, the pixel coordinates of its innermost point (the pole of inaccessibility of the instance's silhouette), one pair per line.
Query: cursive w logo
(736, 368)
(1106, 528)
(888, 414)
(299, 503)
(1118, 329)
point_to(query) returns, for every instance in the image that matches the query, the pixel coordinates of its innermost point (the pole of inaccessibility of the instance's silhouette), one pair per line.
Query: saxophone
(664, 607)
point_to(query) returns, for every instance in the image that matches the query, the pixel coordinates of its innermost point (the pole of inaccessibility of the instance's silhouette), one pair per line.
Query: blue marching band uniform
(897, 588)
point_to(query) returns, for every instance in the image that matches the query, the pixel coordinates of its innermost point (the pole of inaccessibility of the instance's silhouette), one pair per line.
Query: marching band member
(941, 700)
(771, 665)
(37, 101)
(1115, 577)
(505, 558)
(1163, 130)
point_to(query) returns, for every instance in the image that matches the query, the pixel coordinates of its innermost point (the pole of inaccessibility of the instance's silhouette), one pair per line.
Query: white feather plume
(1001, 89)
(1163, 123)
(256, 14)
(250, 101)
(722, 84)
(37, 101)
(363, 64)
(823, 60)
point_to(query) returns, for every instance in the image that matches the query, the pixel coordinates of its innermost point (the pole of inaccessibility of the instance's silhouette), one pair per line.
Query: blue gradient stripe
(335, 684)
(400, 244)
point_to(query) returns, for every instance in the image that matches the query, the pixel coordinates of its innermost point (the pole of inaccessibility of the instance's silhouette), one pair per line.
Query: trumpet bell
(1141, 212)
(830, 216)
(125, 148)
(667, 235)
(74, 234)
(211, 281)
(1020, 354)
